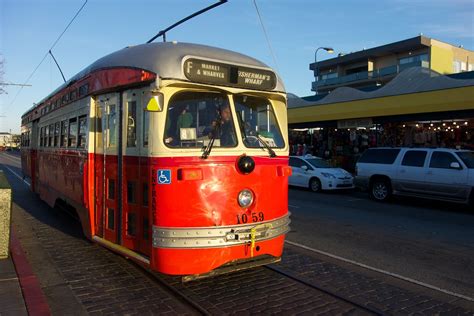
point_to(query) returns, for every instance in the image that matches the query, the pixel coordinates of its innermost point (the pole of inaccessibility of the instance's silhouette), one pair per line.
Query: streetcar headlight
(245, 198)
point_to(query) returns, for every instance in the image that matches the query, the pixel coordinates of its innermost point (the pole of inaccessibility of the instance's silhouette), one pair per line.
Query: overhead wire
(266, 35)
(47, 52)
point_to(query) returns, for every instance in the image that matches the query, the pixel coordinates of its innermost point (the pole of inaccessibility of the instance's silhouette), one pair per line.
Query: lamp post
(330, 51)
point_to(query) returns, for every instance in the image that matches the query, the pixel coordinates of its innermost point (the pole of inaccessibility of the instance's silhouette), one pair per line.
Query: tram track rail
(370, 310)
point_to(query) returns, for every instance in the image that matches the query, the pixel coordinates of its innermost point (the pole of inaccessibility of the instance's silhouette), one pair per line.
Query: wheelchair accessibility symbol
(164, 176)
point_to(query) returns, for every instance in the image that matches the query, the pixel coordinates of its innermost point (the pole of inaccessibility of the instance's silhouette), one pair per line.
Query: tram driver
(223, 128)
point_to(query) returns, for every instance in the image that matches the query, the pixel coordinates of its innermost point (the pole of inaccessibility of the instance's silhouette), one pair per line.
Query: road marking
(17, 175)
(293, 206)
(398, 276)
(14, 159)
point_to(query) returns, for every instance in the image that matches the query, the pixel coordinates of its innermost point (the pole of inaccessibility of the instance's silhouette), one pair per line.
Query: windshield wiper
(271, 152)
(209, 146)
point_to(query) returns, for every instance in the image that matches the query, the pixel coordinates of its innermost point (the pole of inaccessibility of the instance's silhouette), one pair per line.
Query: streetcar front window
(195, 118)
(257, 122)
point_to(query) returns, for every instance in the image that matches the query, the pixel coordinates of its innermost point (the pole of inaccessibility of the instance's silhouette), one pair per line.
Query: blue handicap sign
(164, 176)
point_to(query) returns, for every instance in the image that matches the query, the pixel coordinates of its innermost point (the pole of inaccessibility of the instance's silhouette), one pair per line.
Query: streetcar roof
(166, 61)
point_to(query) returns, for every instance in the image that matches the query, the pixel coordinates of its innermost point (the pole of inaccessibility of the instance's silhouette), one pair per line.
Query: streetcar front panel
(209, 207)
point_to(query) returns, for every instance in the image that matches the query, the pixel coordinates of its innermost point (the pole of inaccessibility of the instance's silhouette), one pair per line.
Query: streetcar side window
(110, 218)
(72, 137)
(132, 124)
(131, 224)
(56, 134)
(81, 140)
(131, 189)
(112, 126)
(41, 137)
(46, 136)
(146, 224)
(64, 128)
(51, 135)
(111, 189)
(146, 126)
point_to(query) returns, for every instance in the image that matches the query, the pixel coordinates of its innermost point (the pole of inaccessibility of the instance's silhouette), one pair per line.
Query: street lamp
(330, 50)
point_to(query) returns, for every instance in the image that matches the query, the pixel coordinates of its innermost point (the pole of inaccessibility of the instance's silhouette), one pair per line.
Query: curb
(35, 300)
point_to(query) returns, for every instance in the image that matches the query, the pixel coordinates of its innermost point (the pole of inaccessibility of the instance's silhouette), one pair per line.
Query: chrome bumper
(222, 236)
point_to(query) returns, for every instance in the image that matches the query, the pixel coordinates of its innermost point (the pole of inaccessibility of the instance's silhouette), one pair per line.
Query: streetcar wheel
(380, 190)
(315, 185)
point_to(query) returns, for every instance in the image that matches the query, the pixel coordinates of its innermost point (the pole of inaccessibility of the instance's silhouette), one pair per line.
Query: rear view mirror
(455, 165)
(305, 168)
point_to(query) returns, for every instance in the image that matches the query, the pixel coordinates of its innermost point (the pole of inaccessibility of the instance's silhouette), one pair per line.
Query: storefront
(341, 131)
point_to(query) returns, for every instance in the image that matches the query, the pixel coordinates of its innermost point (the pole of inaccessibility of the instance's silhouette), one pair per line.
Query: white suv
(436, 173)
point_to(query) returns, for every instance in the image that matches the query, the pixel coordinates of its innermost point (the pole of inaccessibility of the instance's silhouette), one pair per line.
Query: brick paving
(367, 290)
(103, 283)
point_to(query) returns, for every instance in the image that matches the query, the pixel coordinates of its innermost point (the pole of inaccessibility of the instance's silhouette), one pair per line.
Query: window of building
(456, 66)
(414, 158)
(329, 76)
(81, 140)
(72, 135)
(441, 159)
(132, 124)
(64, 129)
(413, 59)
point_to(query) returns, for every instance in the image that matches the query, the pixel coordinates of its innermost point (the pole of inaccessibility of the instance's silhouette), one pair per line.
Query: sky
(295, 28)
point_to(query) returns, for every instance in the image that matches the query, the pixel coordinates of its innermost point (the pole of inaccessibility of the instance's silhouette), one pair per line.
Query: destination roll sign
(210, 72)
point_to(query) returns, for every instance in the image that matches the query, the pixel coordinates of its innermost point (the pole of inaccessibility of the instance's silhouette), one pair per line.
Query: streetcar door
(135, 219)
(107, 186)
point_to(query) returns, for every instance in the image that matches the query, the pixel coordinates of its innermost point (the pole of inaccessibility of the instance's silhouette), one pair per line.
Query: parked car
(435, 173)
(317, 174)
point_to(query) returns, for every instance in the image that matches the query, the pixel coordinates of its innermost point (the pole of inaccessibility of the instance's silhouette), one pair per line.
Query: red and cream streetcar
(172, 154)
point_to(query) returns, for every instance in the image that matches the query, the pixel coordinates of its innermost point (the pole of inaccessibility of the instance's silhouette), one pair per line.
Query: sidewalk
(20, 291)
(11, 298)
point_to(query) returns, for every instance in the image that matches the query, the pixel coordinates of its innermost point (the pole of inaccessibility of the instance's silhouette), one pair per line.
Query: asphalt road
(427, 241)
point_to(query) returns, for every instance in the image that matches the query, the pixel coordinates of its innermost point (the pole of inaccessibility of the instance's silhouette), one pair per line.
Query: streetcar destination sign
(210, 72)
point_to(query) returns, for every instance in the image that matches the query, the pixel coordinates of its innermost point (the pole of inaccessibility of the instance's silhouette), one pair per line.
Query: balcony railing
(368, 75)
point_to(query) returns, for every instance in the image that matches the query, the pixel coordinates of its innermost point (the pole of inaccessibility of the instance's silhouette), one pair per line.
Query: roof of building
(396, 47)
(411, 80)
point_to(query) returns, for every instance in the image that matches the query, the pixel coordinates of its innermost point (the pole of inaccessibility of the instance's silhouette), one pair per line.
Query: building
(418, 92)
(8, 140)
(374, 67)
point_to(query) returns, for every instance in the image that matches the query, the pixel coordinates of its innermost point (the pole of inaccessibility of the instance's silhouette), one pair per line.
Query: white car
(316, 174)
